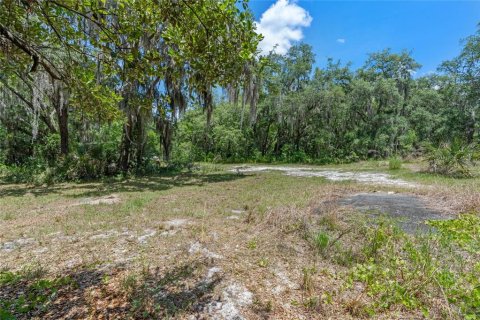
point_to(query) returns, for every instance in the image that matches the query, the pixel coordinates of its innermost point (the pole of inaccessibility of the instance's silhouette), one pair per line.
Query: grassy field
(221, 243)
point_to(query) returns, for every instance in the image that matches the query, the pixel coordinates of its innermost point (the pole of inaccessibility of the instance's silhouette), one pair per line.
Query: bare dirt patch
(233, 297)
(411, 211)
(333, 175)
(17, 243)
(110, 199)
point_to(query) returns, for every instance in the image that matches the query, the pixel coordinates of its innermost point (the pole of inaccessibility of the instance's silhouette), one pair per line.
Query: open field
(223, 243)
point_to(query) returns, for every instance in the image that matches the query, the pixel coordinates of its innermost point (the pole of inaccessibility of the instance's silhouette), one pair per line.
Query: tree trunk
(167, 145)
(140, 138)
(63, 130)
(61, 107)
(126, 146)
(208, 104)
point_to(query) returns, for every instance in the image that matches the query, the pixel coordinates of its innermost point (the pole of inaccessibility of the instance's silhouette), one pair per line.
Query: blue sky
(348, 30)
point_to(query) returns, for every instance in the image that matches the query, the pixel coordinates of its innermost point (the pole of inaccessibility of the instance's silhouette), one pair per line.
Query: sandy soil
(333, 175)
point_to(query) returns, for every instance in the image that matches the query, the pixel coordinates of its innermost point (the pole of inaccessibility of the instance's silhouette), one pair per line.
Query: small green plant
(252, 244)
(463, 231)
(312, 302)
(129, 283)
(321, 241)
(263, 307)
(395, 163)
(263, 262)
(412, 272)
(8, 277)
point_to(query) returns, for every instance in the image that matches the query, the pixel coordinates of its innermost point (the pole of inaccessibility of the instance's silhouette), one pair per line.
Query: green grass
(394, 163)
(321, 241)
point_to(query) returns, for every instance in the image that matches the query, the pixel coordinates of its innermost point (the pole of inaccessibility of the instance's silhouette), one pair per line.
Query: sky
(349, 30)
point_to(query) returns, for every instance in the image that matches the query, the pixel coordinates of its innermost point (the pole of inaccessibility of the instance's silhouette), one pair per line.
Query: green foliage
(451, 159)
(321, 241)
(303, 119)
(36, 292)
(81, 103)
(8, 277)
(252, 244)
(49, 151)
(183, 155)
(394, 163)
(93, 65)
(463, 231)
(412, 272)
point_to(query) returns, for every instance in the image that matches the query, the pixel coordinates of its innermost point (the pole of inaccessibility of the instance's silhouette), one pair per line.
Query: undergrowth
(434, 275)
(33, 292)
(454, 159)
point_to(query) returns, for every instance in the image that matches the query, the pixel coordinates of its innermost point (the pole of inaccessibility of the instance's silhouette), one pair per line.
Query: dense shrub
(452, 159)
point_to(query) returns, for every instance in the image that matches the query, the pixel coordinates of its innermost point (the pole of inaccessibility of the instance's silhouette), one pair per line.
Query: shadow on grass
(93, 294)
(107, 186)
(182, 290)
(62, 297)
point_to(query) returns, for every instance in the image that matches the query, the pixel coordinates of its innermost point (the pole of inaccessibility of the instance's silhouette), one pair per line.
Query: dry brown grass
(255, 230)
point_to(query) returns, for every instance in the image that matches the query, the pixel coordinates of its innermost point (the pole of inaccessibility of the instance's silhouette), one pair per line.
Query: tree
(136, 58)
(463, 71)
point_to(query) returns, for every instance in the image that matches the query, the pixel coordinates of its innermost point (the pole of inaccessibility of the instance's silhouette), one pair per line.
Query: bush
(183, 156)
(394, 163)
(48, 150)
(454, 159)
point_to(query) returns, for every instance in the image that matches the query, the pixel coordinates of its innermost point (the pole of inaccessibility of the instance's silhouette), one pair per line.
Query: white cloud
(341, 41)
(281, 25)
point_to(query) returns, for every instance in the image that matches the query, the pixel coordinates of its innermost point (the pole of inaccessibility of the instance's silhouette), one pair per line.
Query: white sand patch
(234, 296)
(17, 243)
(64, 238)
(212, 272)
(284, 282)
(72, 263)
(176, 223)
(148, 233)
(112, 233)
(364, 177)
(244, 169)
(168, 233)
(40, 250)
(105, 235)
(198, 248)
(122, 254)
(110, 199)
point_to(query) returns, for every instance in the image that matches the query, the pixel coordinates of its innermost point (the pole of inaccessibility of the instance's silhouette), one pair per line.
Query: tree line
(336, 114)
(92, 88)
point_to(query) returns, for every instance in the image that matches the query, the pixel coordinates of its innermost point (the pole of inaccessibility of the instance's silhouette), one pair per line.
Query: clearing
(223, 242)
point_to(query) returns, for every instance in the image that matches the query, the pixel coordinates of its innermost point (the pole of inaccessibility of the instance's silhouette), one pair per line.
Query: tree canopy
(90, 88)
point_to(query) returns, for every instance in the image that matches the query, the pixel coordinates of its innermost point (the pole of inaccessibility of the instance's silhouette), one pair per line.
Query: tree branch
(44, 118)
(36, 56)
